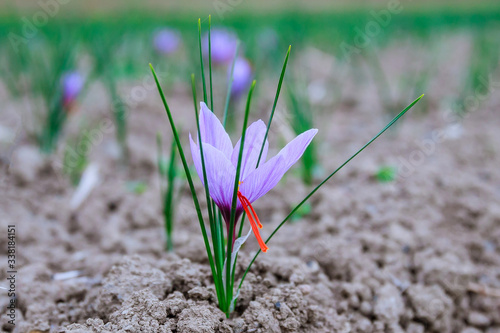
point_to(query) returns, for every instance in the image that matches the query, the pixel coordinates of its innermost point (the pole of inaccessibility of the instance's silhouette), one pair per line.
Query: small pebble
(305, 289)
(26, 163)
(354, 301)
(478, 319)
(366, 308)
(364, 325)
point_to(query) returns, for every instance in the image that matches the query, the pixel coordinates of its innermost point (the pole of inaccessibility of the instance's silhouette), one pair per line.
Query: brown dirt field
(419, 254)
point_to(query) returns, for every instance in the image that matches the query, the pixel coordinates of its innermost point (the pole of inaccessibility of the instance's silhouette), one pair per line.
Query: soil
(418, 254)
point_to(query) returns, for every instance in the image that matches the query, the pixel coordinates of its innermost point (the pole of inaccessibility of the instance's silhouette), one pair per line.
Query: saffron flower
(166, 41)
(256, 179)
(223, 46)
(72, 84)
(242, 76)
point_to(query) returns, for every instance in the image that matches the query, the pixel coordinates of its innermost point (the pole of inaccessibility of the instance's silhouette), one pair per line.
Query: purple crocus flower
(221, 160)
(72, 84)
(242, 76)
(166, 41)
(223, 45)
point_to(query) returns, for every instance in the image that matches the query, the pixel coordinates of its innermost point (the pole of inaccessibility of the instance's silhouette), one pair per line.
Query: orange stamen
(253, 211)
(251, 215)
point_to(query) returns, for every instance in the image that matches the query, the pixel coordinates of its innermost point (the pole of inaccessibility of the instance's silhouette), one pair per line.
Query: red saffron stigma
(252, 217)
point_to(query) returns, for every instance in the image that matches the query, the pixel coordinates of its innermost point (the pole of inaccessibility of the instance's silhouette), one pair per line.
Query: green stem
(229, 292)
(207, 195)
(188, 175)
(201, 63)
(169, 198)
(210, 61)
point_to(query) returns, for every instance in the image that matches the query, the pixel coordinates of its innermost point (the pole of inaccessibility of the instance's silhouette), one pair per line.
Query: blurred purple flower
(72, 84)
(224, 44)
(242, 76)
(166, 41)
(221, 161)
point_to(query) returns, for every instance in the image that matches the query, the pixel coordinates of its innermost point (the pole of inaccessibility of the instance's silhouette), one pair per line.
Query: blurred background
(66, 65)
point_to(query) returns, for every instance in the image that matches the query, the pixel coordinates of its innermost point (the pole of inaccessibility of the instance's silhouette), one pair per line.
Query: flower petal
(212, 131)
(267, 176)
(263, 179)
(253, 142)
(295, 148)
(220, 173)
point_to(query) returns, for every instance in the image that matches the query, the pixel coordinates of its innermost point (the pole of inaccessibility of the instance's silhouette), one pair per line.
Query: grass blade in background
(103, 48)
(275, 103)
(301, 121)
(167, 171)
